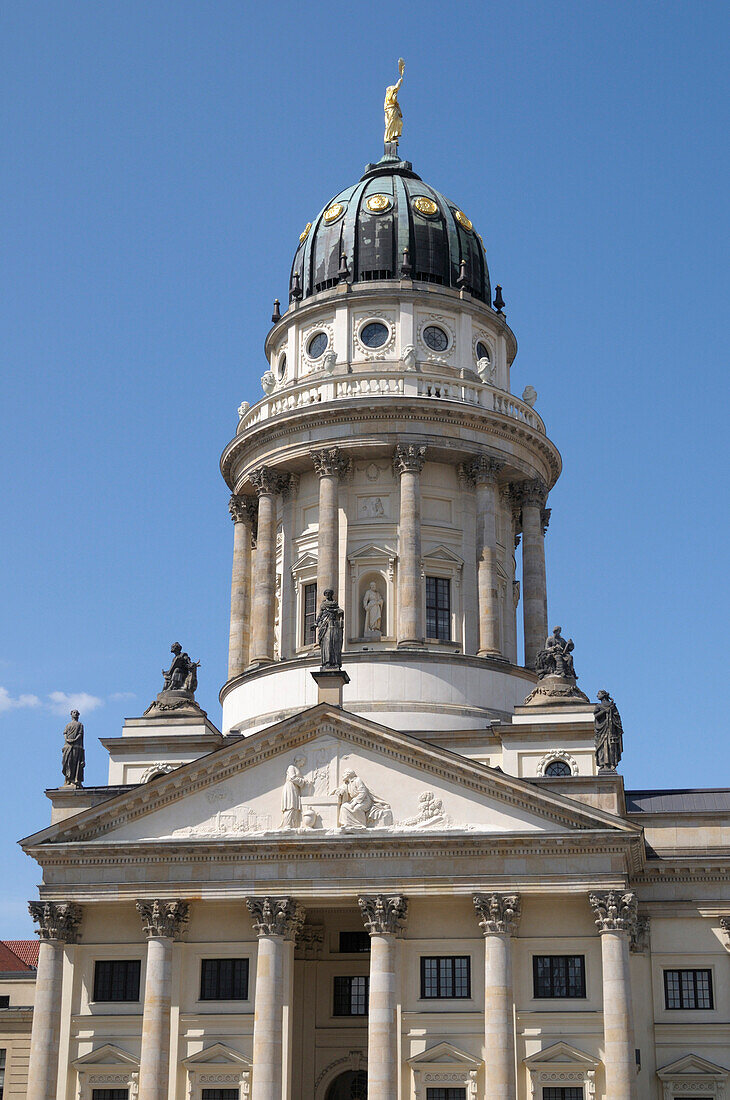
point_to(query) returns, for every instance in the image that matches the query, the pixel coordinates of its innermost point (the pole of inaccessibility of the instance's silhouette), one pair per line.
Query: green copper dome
(390, 225)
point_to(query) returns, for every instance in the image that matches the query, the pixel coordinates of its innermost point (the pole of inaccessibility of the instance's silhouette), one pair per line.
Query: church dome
(390, 225)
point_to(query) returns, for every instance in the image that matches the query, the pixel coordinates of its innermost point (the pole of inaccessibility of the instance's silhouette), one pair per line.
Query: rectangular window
(562, 1094)
(224, 980)
(110, 1094)
(310, 614)
(2, 1074)
(5, 1001)
(352, 943)
(446, 976)
(438, 608)
(688, 989)
(117, 980)
(559, 975)
(445, 1094)
(221, 1094)
(351, 996)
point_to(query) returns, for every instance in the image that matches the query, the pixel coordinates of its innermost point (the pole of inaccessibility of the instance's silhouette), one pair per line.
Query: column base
(260, 662)
(493, 654)
(411, 645)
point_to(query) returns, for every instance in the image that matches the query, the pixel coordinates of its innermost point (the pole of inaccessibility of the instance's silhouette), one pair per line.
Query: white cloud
(62, 702)
(7, 702)
(120, 696)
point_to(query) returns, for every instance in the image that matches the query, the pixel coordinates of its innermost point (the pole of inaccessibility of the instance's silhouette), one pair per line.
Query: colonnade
(277, 922)
(253, 594)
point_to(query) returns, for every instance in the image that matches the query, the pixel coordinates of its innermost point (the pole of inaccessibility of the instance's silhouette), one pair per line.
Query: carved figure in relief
(373, 603)
(359, 808)
(430, 814)
(268, 382)
(330, 631)
(486, 370)
(371, 508)
(609, 732)
(291, 796)
(73, 758)
(409, 357)
(329, 362)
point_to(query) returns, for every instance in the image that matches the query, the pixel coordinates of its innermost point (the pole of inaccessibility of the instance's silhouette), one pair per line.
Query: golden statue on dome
(393, 114)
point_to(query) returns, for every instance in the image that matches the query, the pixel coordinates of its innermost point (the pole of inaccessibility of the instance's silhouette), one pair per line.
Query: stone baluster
(534, 588)
(499, 916)
(163, 922)
(267, 483)
(384, 917)
(330, 465)
(616, 919)
(277, 922)
(243, 511)
(58, 924)
(486, 471)
(408, 462)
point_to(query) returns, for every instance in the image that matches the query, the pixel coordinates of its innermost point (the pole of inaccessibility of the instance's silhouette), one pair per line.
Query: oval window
(317, 345)
(483, 351)
(281, 367)
(558, 768)
(435, 338)
(374, 334)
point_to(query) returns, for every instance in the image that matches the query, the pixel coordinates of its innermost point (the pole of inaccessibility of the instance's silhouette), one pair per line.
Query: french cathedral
(405, 867)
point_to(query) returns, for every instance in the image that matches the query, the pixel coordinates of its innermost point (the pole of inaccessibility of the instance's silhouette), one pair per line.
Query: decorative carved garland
(557, 754)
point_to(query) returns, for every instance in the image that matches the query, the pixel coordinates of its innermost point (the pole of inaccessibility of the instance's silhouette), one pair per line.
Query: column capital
(545, 518)
(383, 913)
(465, 474)
(243, 509)
(56, 920)
(276, 916)
(166, 919)
(289, 486)
(330, 462)
(498, 914)
(266, 479)
(409, 458)
(615, 912)
(532, 492)
(486, 469)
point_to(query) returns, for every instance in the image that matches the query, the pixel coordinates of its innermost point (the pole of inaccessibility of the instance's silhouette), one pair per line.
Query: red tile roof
(19, 954)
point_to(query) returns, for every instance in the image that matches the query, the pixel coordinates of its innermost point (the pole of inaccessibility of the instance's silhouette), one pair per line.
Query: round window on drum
(557, 768)
(435, 338)
(317, 345)
(374, 334)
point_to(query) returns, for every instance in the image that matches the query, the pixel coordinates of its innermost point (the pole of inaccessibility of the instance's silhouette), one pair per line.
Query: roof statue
(556, 675)
(609, 733)
(329, 626)
(180, 682)
(73, 758)
(393, 113)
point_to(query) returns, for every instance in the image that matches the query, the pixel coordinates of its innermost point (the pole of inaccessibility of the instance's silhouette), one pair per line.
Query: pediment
(692, 1066)
(217, 1055)
(561, 1054)
(303, 562)
(443, 553)
(445, 1054)
(248, 789)
(372, 552)
(107, 1057)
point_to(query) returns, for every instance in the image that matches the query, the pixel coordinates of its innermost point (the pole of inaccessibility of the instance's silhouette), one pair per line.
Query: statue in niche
(609, 733)
(359, 808)
(182, 674)
(291, 795)
(73, 758)
(373, 604)
(330, 631)
(556, 659)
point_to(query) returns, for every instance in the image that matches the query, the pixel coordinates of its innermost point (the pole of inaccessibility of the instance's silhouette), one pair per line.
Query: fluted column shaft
(615, 916)
(276, 922)
(498, 916)
(266, 482)
(534, 588)
(486, 471)
(238, 641)
(408, 462)
(58, 925)
(163, 922)
(384, 918)
(330, 464)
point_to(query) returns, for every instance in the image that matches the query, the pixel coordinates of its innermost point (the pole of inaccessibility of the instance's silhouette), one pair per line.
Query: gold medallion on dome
(303, 236)
(463, 220)
(378, 204)
(425, 206)
(332, 213)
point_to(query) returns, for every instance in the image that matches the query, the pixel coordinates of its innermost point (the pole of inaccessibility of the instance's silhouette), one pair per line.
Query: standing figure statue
(74, 758)
(330, 631)
(393, 114)
(609, 733)
(373, 604)
(291, 796)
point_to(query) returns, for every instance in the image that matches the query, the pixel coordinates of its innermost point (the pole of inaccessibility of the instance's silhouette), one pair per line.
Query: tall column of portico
(499, 916)
(408, 462)
(58, 923)
(276, 922)
(330, 464)
(242, 511)
(486, 471)
(534, 588)
(163, 922)
(287, 616)
(510, 513)
(616, 916)
(267, 483)
(384, 917)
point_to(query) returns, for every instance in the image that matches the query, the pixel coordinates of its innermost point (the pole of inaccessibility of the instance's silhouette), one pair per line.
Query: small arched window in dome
(317, 345)
(281, 367)
(435, 338)
(557, 769)
(155, 775)
(374, 334)
(483, 352)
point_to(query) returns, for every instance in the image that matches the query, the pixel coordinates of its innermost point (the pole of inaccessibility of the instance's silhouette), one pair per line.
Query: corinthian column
(243, 510)
(330, 464)
(58, 924)
(162, 922)
(534, 589)
(499, 916)
(266, 482)
(408, 462)
(276, 922)
(384, 917)
(616, 918)
(486, 471)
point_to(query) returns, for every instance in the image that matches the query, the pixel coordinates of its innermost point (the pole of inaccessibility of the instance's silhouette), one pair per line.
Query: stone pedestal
(384, 917)
(498, 916)
(58, 924)
(408, 462)
(616, 917)
(163, 922)
(330, 683)
(555, 691)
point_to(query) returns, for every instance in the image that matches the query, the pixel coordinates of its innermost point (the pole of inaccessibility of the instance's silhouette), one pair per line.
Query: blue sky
(160, 161)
